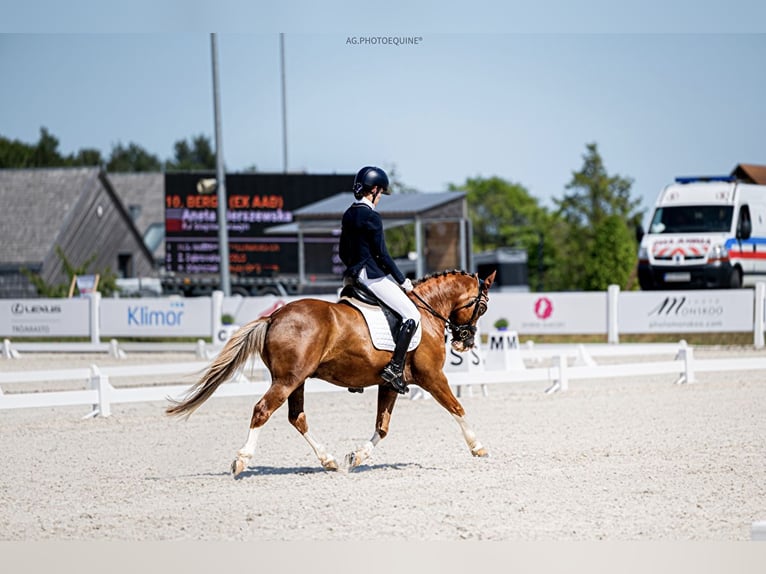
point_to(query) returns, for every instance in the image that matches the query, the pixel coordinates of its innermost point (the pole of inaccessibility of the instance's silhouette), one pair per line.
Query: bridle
(467, 330)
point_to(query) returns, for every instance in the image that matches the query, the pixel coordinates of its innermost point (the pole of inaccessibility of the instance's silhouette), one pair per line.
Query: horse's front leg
(386, 399)
(440, 390)
(297, 418)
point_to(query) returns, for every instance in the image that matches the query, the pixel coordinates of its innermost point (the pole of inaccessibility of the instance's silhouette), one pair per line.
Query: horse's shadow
(255, 471)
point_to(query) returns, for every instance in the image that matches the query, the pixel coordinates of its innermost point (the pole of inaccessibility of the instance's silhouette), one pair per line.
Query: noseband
(466, 331)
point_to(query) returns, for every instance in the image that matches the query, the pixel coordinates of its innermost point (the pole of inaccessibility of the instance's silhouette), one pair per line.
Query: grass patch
(698, 339)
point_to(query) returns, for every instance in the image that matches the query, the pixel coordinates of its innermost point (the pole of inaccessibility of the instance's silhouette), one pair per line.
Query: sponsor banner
(246, 309)
(165, 317)
(44, 318)
(686, 311)
(548, 313)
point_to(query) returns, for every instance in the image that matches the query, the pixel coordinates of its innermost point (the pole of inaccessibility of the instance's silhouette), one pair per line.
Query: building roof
(396, 206)
(145, 191)
(35, 204)
(43, 208)
(750, 173)
(324, 217)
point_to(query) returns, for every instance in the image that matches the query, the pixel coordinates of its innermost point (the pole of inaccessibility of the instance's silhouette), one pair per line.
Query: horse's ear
(489, 280)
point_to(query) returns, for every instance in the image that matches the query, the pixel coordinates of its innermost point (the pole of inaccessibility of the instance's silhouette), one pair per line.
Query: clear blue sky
(516, 93)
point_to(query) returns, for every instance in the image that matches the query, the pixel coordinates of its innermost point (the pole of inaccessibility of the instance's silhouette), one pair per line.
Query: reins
(459, 332)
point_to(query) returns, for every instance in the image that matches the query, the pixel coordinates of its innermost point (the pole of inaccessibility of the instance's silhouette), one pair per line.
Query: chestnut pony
(330, 341)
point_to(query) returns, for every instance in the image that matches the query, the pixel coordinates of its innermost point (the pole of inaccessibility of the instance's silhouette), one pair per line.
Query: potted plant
(227, 319)
(501, 324)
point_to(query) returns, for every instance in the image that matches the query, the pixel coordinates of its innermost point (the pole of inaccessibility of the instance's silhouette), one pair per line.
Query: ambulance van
(705, 233)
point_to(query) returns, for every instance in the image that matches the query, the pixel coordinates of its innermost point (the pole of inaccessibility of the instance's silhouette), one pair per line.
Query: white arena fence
(500, 361)
(611, 313)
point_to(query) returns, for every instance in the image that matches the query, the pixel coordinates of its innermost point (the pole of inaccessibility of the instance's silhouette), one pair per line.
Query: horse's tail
(247, 341)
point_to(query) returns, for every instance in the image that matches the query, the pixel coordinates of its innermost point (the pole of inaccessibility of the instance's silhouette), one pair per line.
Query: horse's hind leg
(297, 418)
(440, 390)
(387, 396)
(271, 400)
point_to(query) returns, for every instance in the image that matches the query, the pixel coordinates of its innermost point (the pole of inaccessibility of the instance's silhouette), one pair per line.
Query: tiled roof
(751, 173)
(35, 204)
(146, 190)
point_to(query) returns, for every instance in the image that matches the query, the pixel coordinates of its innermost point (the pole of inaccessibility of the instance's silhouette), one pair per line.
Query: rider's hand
(407, 285)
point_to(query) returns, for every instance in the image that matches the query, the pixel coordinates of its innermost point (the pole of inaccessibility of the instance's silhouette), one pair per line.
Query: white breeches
(388, 290)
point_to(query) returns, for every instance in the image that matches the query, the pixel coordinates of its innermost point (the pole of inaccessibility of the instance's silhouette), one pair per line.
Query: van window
(692, 219)
(744, 225)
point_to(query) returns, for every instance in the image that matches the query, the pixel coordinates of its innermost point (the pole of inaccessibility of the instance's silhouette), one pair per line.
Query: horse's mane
(438, 274)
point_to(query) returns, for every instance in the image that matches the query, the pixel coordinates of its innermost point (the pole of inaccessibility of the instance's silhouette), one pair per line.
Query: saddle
(382, 321)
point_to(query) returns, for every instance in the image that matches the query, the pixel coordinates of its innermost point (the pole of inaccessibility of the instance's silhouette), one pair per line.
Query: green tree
(132, 158)
(15, 154)
(45, 153)
(504, 214)
(400, 240)
(612, 255)
(596, 194)
(195, 155)
(595, 197)
(87, 157)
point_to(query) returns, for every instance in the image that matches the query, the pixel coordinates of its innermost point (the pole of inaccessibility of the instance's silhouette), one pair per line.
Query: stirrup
(396, 380)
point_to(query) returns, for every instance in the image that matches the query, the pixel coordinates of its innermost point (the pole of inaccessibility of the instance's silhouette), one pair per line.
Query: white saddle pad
(377, 324)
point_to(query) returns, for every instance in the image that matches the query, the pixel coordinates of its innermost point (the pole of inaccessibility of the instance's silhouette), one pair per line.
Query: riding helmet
(369, 177)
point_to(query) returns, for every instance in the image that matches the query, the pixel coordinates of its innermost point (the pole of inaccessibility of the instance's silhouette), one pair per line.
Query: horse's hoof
(237, 466)
(482, 453)
(331, 464)
(351, 460)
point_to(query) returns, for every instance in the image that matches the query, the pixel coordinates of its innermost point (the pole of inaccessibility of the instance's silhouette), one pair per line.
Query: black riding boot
(393, 374)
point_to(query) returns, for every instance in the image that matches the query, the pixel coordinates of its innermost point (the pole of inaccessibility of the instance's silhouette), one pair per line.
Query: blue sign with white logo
(165, 317)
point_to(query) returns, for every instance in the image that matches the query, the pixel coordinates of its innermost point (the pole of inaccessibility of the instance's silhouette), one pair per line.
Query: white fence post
(612, 302)
(95, 317)
(115, 351)
(760, 294)
(8, 351)
(562, 382)
(217, 310)
(686, 354)
(100, 382)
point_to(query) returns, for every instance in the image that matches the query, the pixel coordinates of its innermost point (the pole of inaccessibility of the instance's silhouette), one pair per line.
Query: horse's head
(467, 310)
(465, 299)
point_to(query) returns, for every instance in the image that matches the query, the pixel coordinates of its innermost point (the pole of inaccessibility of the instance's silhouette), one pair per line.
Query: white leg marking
(327, 460)
(247, 451)
(363, 452)
(469, 436)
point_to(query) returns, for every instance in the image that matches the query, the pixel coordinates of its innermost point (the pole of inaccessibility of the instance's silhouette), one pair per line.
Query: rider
(363, 251)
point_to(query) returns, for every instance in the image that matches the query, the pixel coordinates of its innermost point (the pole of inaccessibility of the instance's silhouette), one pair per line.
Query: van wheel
(735, 281)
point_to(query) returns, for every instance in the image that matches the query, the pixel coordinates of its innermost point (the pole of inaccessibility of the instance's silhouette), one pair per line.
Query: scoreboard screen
(255, 202)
